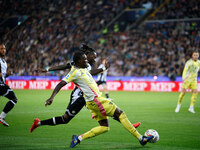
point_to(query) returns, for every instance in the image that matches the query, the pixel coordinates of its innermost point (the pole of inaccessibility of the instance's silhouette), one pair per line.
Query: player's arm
(96, 71)
(0, 71)
(65, 80)
(56, 68)
(185, 70)
(99, 70)
(55, 91)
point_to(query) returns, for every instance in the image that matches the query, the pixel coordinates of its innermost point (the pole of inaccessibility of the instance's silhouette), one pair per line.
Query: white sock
(3, 115)
(140, 138)
(39, 123)
(191, 107)
(179, 105)
(80, 138)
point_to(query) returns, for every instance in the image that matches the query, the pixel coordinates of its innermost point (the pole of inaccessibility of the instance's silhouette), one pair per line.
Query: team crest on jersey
(67, 77)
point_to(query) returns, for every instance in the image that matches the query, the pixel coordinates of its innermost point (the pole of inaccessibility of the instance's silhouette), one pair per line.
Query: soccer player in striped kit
(5, 90)
(101, 78)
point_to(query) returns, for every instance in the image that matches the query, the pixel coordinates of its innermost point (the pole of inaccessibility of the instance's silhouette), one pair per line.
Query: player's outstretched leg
(3, 122)
(92, 133)
(75, 141)
(35, 124)
(127, 125)
(52, 122)
(145, 139)
(135, 124)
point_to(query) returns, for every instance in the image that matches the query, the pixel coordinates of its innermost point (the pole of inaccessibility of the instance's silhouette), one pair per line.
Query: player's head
(90, 52)
(91, 57)
(195, 55)
(80, 59)
(2, 50)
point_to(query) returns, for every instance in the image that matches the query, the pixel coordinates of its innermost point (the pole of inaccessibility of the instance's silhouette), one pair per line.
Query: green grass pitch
(154, 110)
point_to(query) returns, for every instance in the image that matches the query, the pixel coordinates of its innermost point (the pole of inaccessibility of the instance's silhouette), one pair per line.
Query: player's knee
(14, 101)
(116, 118)
(107, 129)
(122, 116)
(117, 113)
(66, 118)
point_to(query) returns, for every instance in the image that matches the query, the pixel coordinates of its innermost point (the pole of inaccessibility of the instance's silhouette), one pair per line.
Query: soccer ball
(154, 133)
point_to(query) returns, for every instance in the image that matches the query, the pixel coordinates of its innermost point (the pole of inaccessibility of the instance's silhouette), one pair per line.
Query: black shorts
(7, 92)
(101, 82)
(75, 105)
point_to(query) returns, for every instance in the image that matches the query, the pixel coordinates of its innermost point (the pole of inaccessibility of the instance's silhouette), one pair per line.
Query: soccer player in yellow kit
(189, 76)
(99, 106)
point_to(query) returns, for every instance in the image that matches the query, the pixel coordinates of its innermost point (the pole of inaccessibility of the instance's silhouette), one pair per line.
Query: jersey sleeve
(185, 70)
(199, 63)
(71, 76)
(100, 66)
(89, 67)
(0, 67)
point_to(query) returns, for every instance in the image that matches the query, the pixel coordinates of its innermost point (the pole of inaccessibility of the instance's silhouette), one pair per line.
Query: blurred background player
(101, 78)
(5, 90)
(189, 76)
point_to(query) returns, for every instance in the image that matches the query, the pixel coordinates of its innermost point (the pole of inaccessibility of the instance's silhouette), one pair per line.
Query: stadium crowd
(55, 31)
(179, 9)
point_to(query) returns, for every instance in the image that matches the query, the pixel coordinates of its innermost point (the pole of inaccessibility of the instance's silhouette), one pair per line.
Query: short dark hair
(77, 56)
(86, 49)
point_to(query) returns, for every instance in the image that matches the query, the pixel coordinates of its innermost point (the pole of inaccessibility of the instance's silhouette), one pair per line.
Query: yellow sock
(94, 132)
(127, 124)
(193, 99)
(180, 98)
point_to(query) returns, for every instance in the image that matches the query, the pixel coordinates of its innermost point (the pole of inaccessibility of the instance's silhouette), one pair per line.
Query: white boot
(178, 108)
(191, 109)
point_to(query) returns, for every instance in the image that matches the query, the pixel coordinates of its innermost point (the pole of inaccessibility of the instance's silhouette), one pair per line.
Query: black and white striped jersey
(3, 69)
(102, 76)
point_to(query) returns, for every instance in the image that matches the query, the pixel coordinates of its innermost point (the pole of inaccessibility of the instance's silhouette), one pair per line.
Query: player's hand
(48, 102)
(106, 63)
(40, 70)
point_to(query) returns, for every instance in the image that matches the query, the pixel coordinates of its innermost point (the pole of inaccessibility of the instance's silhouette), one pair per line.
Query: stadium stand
(56, 29)
(178, 9)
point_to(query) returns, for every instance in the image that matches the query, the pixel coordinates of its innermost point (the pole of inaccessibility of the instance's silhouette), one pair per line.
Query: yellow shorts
(192, 85)
(101, 108)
